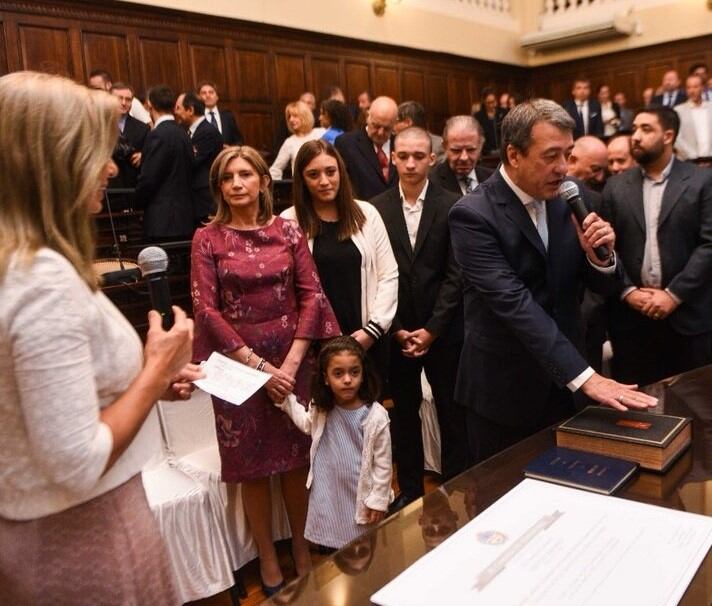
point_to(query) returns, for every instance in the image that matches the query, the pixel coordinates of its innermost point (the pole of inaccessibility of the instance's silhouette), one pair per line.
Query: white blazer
(379, 270)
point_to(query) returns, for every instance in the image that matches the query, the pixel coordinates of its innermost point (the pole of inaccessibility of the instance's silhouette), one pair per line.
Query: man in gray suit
(695, 138)
(661, 320)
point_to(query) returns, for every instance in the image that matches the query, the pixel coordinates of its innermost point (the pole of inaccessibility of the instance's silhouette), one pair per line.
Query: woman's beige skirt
(106, 551)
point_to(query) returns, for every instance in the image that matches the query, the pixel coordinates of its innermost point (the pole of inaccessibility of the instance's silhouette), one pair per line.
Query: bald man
(367, 151)
(619, 156)
(588, 161)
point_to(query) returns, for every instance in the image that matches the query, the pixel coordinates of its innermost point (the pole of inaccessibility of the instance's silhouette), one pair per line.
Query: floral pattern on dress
(258, 288)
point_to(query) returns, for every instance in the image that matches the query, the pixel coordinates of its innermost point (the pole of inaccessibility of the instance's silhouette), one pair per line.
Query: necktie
(382, 161)
(468, 184)
(537, 207)
(211, 117)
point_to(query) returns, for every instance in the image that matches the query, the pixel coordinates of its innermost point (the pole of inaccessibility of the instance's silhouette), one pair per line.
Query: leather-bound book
(653, 441)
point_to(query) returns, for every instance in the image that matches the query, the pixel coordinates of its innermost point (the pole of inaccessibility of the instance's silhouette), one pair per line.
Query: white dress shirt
(193, 127)
(163, 118)
(216, 114)
(583, 110)
(413, 212)
(462, 182)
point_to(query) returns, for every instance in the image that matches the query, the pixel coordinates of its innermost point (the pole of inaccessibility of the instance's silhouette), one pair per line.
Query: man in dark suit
(523, 261)
(671, 93)
(163, 189)
(367, 151)
(462, 142)
(661, 318)
(132, 135)
(207, 144)
(427, 328)
(222, 119)
(585, 111)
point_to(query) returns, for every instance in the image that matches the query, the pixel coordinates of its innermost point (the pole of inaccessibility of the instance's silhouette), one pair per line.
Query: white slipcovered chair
(190, 521)
(189, 434)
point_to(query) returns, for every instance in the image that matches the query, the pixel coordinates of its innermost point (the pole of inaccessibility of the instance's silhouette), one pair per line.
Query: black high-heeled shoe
(270, 590)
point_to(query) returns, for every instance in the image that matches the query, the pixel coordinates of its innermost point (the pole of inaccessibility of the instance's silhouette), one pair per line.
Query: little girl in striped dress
(350, 475)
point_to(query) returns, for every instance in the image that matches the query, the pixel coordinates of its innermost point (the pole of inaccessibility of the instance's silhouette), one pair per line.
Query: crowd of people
(400, 256)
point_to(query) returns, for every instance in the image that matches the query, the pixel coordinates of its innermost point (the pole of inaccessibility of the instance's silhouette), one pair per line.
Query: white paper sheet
(229, 380)
(544, 544)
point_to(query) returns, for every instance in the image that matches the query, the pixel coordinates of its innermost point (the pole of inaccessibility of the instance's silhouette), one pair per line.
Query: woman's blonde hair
(57, 137)
(217, 172)
(305, 115)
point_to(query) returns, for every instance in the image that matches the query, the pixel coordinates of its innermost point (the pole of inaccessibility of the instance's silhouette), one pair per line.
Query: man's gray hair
(464, 122)
(517, 125)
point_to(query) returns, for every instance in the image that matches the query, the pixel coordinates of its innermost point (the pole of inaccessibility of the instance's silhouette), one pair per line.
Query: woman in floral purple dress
(257, 299)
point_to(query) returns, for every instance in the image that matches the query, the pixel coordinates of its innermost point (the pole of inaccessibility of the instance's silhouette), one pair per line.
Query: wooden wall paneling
(412, 85)
(208, 62)
(290, 75)
(436, 100)
(653, 72)
(46, 49)
(106, 51)
(458, 95)
(386, 82)
(257, 128)
(324, 73)
(160, 62)
(357, 79)
(12, 43)
(628, 81)
(3, 54)
(253, 81)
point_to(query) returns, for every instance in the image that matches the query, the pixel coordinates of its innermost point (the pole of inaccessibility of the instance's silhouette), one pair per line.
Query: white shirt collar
(162, 119)
(665, 174)
(193, 127)
(421, 195)
(523, 196)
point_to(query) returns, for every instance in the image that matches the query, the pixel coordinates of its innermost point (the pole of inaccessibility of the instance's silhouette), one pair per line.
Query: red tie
(383, 161)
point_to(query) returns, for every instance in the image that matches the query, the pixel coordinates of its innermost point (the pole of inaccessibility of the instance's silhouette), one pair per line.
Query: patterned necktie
(383, 162)
(468, 184)
(537, 207)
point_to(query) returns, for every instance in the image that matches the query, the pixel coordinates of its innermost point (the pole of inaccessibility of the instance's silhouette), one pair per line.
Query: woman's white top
(379, 269)
(65, 353)
(288, 152)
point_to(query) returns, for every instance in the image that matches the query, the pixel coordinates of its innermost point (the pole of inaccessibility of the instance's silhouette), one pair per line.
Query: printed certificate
(543, 544)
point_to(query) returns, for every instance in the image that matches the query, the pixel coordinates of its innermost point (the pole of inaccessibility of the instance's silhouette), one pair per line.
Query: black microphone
(153, 262)
(569, 191)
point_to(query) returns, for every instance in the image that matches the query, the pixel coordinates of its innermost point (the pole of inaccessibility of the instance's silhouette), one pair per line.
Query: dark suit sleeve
(485, 268)
(207, 146)
(698, 270)
(449, 297)
(607, 212)
(155, 163)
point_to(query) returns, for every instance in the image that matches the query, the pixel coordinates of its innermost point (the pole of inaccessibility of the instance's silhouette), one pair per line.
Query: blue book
(578, 469)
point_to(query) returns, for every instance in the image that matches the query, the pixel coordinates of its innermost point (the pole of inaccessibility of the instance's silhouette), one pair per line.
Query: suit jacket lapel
(366, 146)
(397, 220)
(426, 220)
(677, 184)
(635, 198)
(515, 210)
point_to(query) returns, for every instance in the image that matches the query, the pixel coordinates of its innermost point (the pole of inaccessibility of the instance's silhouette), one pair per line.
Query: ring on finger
(620, 398)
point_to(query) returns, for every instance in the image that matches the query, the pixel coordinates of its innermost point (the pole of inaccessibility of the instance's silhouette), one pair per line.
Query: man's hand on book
(616, 395)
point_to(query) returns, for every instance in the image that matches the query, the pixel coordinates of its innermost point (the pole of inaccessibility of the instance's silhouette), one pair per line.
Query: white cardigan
(65, 353)
(379, 270)
(374, 482)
